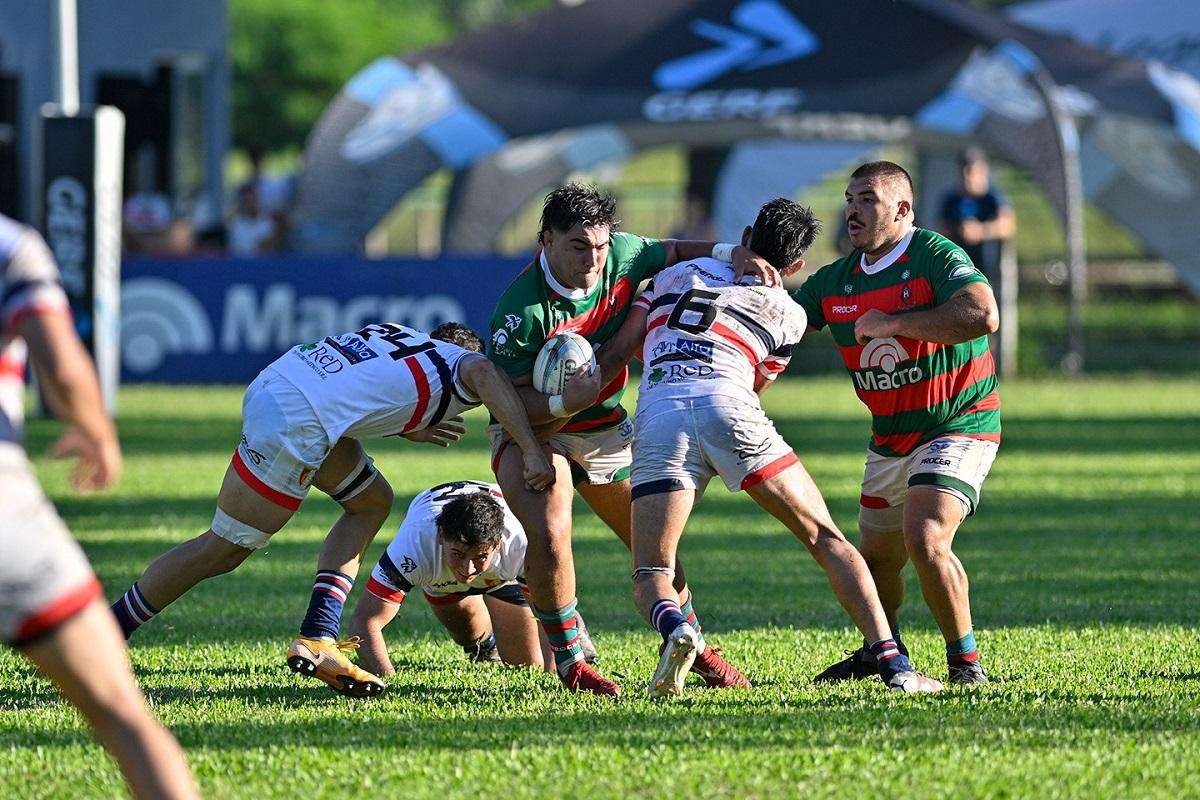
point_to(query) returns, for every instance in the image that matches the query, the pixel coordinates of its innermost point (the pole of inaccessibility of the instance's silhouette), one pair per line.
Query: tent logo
(160, 318)
(766, 34)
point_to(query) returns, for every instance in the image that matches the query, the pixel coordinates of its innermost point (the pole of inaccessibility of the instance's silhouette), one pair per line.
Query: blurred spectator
(251, 231)
(149, 226)
(697, 225)
(977, 216)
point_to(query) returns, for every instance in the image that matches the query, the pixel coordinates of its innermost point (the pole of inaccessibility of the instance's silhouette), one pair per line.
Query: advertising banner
(222, 321)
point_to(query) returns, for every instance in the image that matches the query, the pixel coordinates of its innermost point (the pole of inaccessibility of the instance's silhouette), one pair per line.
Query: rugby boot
(714, 669)
(673, 665)
(580, 677)
(325, 660)
(911, 682)
(966, 674)
(859, 665)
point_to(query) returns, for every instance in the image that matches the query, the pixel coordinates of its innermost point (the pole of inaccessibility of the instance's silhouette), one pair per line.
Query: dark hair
(888, 171)
(459, 334)
(577, 203)
(783, 231)
(474, 519)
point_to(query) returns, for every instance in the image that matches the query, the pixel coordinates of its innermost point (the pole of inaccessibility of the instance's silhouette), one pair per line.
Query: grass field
(1084, 558)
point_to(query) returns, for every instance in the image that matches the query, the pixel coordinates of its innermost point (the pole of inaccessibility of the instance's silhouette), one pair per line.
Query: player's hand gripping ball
(560, 357)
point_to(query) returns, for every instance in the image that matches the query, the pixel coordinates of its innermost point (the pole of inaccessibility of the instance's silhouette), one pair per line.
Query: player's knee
(883, 560)
(374, 501)
(928, 549)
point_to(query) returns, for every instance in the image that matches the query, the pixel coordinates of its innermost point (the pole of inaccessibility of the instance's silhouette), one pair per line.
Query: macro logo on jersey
(681, 350)
(878, 366)
(352, 348)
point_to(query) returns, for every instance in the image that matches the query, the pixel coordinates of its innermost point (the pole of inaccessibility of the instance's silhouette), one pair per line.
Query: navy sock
(132, 610)
(666, 616)
(324, 617)
(889, 658)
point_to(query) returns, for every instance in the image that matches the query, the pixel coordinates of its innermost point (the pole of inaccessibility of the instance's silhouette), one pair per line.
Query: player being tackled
(713, 342)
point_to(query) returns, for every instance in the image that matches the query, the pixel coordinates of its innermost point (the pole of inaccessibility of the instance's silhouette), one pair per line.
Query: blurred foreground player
(51, 608)
(303, 417)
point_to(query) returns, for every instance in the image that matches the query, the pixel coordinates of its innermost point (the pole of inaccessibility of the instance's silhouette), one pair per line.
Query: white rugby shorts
(45, 579)
(682, 443)
(956, 465)
(283, 443)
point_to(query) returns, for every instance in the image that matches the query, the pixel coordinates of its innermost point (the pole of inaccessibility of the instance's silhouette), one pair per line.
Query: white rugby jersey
(414, 557)
(706, 335)
(382, 380)
(29, 284)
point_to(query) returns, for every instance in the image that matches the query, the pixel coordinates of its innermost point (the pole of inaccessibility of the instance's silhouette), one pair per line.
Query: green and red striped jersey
(915, 390)
(533, 308)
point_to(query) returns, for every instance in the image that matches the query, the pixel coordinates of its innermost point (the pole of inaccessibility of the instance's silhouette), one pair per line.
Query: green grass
(1085, 587)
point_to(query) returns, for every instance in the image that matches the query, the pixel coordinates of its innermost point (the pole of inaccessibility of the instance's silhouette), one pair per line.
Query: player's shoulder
(935, 250)
(834, 272)
(625, 243)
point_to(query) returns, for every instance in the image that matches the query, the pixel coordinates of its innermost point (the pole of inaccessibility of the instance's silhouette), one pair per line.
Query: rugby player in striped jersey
(910, 315)
(713, 343)
(302, 419)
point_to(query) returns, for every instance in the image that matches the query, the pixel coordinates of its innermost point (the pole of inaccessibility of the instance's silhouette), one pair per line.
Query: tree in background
(290, 57)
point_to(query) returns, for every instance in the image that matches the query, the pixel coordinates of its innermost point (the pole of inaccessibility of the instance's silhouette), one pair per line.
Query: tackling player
(712, 344)
(465, 549)
(303, 417)
(51, 605)
(910, 315)
(581, 280)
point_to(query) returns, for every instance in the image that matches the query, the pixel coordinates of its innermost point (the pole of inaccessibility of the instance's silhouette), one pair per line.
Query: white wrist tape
(723, 251)
(556, 406)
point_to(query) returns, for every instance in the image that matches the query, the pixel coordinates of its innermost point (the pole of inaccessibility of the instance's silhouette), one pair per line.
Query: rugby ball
(560, 357)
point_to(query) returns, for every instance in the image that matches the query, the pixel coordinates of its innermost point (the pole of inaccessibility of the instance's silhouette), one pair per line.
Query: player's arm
(494, 389)
(371, 616)
(68, 379)
(969, 313)
(613, 355)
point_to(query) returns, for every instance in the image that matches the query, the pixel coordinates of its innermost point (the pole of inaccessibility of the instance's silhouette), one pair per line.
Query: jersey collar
(568, 292)
(892, 256)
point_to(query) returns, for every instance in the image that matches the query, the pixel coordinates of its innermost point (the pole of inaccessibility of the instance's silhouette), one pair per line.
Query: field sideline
(1085, 568)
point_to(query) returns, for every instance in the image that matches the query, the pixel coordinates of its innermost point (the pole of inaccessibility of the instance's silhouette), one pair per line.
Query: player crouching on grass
(713, 343)
(303, 417)
(460, 543)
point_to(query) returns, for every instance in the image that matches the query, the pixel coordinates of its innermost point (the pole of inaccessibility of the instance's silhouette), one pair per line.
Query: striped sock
(324, 617)
(889, 658)
(895, 637)
(562, 631)
(666, 616)
(133, 611)
(963, 651)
